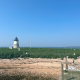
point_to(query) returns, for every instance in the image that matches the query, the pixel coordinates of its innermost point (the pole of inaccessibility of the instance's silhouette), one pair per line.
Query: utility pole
(30, 43)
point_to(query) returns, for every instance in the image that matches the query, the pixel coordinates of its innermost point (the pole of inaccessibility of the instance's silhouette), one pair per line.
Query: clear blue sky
(47, 23)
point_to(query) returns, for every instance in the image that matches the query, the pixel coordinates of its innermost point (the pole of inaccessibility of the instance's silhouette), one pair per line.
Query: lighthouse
(16, 43)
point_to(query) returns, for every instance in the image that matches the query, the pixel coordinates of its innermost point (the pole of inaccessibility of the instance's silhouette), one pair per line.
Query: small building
(16, 43)
(10, 47)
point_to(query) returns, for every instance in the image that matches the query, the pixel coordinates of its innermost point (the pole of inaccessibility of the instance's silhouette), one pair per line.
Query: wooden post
(73, 63)
(62, 71)
(77, 63)
(66, 62)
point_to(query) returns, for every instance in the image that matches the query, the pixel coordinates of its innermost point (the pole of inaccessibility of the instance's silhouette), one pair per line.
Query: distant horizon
(45, 47)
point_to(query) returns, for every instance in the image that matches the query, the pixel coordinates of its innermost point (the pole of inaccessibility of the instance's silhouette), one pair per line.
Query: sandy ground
(32, 65)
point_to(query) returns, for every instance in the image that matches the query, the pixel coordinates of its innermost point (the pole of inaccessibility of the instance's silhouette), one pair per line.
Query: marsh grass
(29, 76)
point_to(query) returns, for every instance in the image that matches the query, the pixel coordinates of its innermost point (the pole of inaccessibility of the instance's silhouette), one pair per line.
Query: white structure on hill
(10, 47)
(16, 43)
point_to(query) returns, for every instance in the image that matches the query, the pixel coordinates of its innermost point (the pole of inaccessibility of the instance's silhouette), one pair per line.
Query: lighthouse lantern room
(16, 43)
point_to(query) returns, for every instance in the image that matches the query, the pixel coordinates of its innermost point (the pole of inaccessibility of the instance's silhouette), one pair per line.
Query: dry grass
(28, 76)
(30, 69)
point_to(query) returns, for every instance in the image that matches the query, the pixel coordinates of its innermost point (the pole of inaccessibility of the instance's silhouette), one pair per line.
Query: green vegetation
(38, 53)
(71, 75)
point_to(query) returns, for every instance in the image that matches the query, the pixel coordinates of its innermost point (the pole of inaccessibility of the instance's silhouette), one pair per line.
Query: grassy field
(38, 53)
(71, 75)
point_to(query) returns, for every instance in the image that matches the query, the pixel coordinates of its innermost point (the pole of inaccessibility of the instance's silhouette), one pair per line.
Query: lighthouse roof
(16, 39)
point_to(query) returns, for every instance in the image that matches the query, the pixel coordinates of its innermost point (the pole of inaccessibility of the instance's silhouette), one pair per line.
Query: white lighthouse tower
(16, 43)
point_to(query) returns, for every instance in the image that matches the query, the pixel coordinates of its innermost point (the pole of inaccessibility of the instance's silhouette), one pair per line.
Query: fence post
(66, 62)
(73, 63)
(62, 71)
(77, 62)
